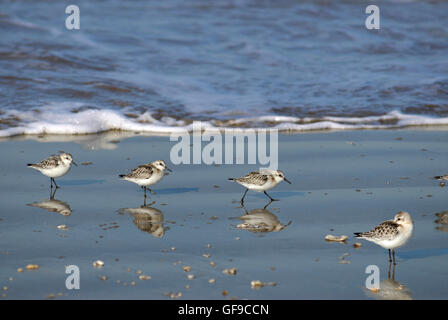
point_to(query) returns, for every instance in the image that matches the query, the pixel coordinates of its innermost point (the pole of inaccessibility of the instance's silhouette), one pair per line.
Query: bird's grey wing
(141, 172)
(384, 231)
(50, 162)
(254, 177)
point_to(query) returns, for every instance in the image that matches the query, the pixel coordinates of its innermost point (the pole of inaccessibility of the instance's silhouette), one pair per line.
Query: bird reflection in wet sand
(147, 219)
(53, 205)
(261, 220)
(390, 289)
(442, 221)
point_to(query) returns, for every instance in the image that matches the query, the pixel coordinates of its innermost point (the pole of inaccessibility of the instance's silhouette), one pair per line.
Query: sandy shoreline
(343, 182)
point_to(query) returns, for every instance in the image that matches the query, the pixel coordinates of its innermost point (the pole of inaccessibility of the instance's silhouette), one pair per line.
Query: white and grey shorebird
(391, 234)
(260, 181)
(54, 166)
(147, 174)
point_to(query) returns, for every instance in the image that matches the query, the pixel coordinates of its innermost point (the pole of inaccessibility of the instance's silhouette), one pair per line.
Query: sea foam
(60, 119)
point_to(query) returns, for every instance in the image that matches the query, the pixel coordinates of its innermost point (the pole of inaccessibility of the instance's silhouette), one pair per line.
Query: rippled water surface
(156, 65)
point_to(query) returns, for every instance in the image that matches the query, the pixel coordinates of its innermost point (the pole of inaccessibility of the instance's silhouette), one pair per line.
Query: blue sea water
(143, 65)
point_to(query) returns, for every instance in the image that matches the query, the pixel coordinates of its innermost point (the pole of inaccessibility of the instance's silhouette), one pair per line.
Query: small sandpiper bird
(261, 181)
(444, 177)
(54, 166)
(391, 234)
(147, 174)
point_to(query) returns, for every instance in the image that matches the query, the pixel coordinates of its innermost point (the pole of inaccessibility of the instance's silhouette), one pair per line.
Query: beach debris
(187, 268)
(51, 296)
(237, 238)
(332, 238)
(173, 248)
(224, 292)
(62, 227)
(212, 264)
(442, 184)
(98, 264)
(175, 295)
(20, 270)
(187, 286)
(374, 290)
(207, 255)
(357, 245)
(211, 281)
(104, 278)
(231, 271)
(5, 288)
(139, 272)
(86, 163)
(133, 283)
(257, 284)
(32, 267)
(208, 245)
(191, 276)
(144, 277)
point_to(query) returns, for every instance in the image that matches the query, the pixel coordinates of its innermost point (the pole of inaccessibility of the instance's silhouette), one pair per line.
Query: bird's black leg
(242, 199)
(393, 273)
(390, 258)
(393, 255)
(52, 193)
(267, 205)
(388, 272)
(54, 181)
(272, 199)
(144, 188)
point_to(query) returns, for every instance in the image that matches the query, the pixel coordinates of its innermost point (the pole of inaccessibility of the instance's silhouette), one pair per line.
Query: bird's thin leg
(393, 273)
(54, 181)
(267, 205)
(388, 272)
(272, 199)
(144, 188)
(242, 199)
(390, 258)
(52, 193)
(393, 255)
(51, 184)
(244, 208)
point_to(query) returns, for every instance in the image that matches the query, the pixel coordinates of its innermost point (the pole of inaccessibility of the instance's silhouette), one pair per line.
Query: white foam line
(58, 119)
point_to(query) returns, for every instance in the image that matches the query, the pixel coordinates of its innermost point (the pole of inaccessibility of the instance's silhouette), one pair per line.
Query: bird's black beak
(168, 169)
(74, 163)
(287, 180)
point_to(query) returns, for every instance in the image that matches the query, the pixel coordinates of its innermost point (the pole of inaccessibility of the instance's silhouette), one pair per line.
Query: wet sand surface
(343, 182)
